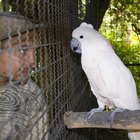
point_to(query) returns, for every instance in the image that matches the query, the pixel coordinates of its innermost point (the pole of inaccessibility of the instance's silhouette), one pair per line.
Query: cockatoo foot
(93, 111)
(111, 117)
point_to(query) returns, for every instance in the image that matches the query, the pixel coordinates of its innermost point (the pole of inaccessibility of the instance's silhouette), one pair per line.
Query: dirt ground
(111, 134)
(100, 134)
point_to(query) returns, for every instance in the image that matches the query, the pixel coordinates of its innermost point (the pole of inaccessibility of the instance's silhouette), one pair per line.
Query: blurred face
(17, 60)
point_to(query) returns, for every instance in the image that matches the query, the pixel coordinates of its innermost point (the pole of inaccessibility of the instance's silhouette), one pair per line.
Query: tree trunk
(95, 11)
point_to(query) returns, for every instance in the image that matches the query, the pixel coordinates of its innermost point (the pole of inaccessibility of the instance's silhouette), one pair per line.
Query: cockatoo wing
(97, 85)
(121, 89)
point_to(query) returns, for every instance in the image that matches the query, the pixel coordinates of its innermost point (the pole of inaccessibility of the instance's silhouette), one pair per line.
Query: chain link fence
(57, 72)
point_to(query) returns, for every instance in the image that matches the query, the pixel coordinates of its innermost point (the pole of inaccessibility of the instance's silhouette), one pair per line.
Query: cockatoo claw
(92, 112)
(111, 117)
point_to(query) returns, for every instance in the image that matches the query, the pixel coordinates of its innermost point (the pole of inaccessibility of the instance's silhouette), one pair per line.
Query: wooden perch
(125, 120)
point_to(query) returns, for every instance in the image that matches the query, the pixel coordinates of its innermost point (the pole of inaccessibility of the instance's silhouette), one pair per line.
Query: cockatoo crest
(84, 24)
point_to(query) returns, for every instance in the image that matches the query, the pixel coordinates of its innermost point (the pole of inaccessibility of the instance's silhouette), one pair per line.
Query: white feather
(110, 80)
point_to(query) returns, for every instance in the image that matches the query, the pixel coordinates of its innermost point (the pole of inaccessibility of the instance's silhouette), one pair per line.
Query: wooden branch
(129, 120)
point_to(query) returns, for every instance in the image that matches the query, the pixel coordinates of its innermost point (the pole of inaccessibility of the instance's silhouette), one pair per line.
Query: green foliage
(121, 26)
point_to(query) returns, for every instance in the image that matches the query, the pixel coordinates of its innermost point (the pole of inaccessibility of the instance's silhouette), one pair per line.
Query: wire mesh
(59, 84)
(60, 79)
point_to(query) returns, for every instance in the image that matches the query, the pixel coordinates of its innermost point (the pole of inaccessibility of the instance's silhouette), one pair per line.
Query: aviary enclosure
(58, 71)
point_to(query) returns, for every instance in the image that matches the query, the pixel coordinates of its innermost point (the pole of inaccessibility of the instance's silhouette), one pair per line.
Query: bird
(110, 80)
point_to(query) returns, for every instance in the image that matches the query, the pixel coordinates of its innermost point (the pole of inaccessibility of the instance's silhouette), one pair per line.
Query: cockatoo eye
(81, 36)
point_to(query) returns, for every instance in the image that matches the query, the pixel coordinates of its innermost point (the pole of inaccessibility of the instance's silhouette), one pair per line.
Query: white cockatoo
(110, 80)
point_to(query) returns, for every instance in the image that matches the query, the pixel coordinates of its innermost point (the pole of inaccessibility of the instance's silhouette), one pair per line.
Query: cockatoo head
(85, 37)
(79, 35)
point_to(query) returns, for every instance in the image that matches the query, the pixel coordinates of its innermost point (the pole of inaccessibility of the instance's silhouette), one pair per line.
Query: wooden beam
(129, 120)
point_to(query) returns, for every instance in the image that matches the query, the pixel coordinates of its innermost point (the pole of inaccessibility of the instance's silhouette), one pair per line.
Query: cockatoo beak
(75, 45)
